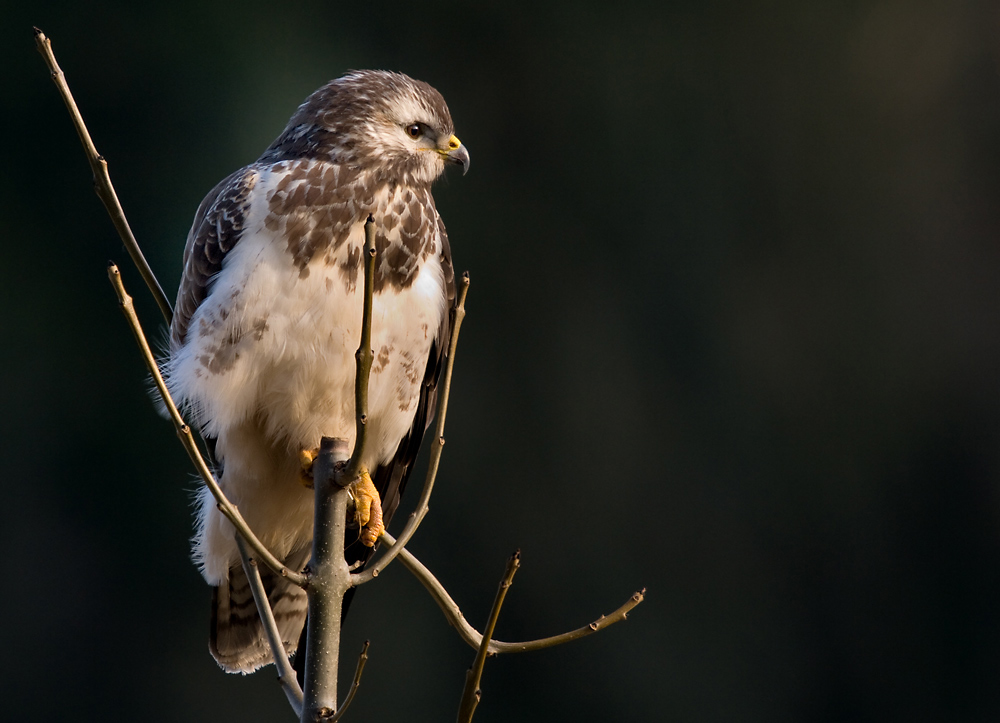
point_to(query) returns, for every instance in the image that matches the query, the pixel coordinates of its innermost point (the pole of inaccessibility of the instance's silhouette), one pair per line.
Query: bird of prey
(268, 318)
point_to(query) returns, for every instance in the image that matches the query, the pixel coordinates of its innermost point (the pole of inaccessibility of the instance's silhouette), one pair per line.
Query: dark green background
(732, 335)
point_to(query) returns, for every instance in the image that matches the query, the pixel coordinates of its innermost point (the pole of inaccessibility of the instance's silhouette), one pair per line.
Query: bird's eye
(414, 130)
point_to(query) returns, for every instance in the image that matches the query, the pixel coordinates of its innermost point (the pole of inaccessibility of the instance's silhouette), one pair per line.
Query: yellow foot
(306, 459)
(367, 508)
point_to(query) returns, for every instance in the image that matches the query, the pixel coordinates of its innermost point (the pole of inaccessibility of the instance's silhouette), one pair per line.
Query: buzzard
(268, 318)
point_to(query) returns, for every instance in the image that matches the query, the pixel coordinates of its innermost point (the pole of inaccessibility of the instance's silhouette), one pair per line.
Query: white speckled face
(410, 131)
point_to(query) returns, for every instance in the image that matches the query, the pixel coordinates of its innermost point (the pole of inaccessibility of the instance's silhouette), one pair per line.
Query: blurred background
(732, 336)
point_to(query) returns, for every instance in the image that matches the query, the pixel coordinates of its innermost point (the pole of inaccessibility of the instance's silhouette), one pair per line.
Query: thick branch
(286, 674)
(102, 179)
(329, 579)
(453, 614)
(417, 516)
(472, 693)
(187, 439)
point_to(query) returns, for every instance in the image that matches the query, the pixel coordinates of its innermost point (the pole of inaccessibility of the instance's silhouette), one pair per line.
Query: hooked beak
(456, 153)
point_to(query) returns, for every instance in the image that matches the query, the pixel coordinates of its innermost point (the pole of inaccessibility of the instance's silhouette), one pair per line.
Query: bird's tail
(237, 639)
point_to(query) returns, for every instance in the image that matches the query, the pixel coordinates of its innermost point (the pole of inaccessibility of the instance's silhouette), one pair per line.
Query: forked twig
(187, 439)
(437, 446)
(102, 178)
(453, 614)
(472, 694)
(286, 674)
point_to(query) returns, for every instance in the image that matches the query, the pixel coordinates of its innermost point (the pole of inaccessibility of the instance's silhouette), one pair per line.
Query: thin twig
(453, 614)
(417, 516)
(187, 439)
(286, 674)
(472, 693)
(102, 179)
(354, 685)
(363, 358)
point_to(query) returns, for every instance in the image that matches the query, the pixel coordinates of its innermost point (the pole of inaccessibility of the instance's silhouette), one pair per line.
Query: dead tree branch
(102, 178)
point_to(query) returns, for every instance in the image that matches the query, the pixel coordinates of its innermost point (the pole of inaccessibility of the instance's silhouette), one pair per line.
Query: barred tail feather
(237, 640)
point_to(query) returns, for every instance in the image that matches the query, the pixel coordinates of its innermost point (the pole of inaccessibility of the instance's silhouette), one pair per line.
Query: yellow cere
(453, 145)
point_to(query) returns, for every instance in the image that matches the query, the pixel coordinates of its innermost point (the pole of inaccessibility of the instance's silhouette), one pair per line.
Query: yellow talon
(306, 459)
(367, 508)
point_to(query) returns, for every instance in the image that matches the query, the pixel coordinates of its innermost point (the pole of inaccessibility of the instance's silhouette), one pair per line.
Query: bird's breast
(276, 338)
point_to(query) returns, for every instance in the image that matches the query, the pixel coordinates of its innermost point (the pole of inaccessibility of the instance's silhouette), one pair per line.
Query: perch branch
(474, 638)
(329, 579)
(417, 516)
(102, 178)
(472, 693)
(354, 685)
(187, 439)
(286, 674)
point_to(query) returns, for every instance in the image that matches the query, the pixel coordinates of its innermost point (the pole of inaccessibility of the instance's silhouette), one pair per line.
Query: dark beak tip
(460, 156)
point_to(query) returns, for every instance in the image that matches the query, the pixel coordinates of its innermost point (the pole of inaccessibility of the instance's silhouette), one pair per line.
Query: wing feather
(218, 225)
(390, 478)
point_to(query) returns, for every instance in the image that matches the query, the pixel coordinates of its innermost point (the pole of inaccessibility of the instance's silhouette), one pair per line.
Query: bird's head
(388, 123)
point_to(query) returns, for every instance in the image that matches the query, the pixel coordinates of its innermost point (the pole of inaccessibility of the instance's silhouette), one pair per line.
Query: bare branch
(473, 637)
(417, 516)
(602, 622)
(472, 693)
(329, 579)
(187, 439)
(364, 357)
(354, 685)
(102, 179)
(286, 675)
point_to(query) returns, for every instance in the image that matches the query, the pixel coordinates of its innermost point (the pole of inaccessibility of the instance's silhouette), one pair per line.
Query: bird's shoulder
(218, 224)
